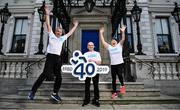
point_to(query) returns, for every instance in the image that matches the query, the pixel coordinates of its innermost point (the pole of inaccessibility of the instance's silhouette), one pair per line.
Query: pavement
(42, 106)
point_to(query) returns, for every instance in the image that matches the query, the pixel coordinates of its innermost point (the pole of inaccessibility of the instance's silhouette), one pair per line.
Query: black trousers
(95, 80)
(52, 65)
(116, 70)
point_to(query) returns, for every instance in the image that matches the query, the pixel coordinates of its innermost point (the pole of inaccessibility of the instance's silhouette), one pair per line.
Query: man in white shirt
(92, 56)
(52, 64)
(115, 52)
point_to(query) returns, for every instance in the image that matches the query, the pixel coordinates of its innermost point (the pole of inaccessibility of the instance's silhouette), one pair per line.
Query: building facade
(159, 35)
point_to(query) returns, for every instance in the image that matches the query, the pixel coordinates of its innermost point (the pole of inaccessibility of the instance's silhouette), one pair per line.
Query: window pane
(118, 30)
(130, 44)
(164, 37)
(24, 26)
(158, 26)
(130, 35)
(165, 26)
(18, 44)
(18, 26)
(163, 44)
(19, 37)
(129, 25)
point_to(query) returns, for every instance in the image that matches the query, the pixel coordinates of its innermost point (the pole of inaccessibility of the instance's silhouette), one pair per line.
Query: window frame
(172, 32)
(169, 36)
(118, 34)
(14, 35)
(11, 32)
(132, 36)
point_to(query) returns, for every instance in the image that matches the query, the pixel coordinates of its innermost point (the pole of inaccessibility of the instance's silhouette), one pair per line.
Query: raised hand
(101, 29)
(75, 22)
(123, 27)
(47, 10)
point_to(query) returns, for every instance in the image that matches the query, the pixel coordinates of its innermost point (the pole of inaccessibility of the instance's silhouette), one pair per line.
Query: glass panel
(18, 26)
(163, 37)
(118, 30)
(19, 38)
(165, 26)
(18, 44)
(163, 44)
(158, 26)
(178, 20)
(24, 26)
(130, 44)
(129, 25)
(117, 36)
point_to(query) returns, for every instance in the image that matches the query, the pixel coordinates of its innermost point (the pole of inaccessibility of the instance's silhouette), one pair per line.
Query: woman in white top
(115, 52)
(53, 63)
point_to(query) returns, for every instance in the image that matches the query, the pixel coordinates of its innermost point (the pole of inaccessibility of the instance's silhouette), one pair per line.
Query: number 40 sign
(81, 68)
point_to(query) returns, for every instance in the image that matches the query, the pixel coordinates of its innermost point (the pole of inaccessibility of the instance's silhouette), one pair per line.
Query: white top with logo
(116, 54)
(55, 43)
(93, 56)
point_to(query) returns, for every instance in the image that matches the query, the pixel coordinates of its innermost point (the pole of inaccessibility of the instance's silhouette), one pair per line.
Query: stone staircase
(76, 89)
(72, 92)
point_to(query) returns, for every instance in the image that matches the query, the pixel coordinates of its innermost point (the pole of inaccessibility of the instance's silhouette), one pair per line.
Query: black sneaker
(55, 97)
(96, 103)
(85, 102)
(31, 95)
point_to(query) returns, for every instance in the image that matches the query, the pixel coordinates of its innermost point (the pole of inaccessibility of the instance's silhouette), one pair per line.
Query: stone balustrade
(153, 69)
(158, 70)
(15, 68)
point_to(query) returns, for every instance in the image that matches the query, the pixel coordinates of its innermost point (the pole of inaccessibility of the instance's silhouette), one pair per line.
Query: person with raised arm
(116, 60)
(53, 63)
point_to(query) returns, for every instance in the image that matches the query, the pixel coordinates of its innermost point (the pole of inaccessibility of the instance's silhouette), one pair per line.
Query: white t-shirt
(55, 43)
(115, 54)
(93, 56)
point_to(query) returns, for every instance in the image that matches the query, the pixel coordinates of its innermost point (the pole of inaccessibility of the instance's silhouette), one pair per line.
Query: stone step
(103, 92)
(76, 83)
(81, 84)
(103, 100)
(70, 77)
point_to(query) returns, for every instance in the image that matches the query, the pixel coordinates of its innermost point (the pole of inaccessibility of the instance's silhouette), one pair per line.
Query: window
(129, 34)
(164, 40)
(55, 23)
(19, 36)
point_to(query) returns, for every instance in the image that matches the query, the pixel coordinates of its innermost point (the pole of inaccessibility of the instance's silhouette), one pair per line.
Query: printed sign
(81, 68)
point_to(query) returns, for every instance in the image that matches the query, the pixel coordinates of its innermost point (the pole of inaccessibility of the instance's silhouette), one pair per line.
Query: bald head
(90, 43)
(90, 46)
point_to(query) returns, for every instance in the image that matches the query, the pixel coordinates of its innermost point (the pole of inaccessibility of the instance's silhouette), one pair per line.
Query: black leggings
(116, 70)
(52, 65)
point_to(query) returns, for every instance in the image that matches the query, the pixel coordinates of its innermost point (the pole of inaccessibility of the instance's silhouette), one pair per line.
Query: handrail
(41, 60)
(147, 64)
(34, 63)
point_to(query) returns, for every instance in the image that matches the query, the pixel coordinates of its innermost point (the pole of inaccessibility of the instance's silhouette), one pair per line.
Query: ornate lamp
(41, 12)
(176, 14)
(136, 13)
(42, 17)
(4, 15)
